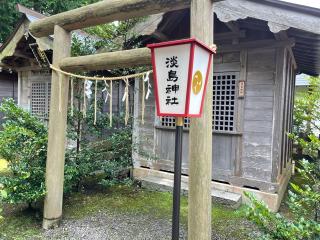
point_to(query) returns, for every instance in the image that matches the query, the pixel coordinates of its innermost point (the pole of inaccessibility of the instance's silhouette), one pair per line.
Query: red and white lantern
(181, 70)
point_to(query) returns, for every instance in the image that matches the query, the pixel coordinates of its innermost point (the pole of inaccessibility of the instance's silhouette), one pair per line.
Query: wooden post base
(51, 223)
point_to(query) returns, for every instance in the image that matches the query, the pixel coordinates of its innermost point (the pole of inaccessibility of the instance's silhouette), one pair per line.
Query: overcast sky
(311, 3)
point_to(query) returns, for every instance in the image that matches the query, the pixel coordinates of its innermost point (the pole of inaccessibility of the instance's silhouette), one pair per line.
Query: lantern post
(181, 70)
(177, 178)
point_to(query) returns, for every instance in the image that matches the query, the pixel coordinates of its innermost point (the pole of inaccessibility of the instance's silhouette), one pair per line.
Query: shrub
(23, 143)
(304, 198)
(276, 226)
(104, 159)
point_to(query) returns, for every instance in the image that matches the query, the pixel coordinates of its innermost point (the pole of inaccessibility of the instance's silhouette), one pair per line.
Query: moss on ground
(227, 222)
(20, 225)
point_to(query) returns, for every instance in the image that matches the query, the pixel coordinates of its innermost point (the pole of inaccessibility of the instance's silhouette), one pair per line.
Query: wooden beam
(200, 136)
(110, 60)
(104, 12)
(3, 65)
(256, 44)
(282, 35)
(57, 132)
(21, 54)
(142, 56)
(160, 36)
(230, 35)
(28, 68)
(233, 26)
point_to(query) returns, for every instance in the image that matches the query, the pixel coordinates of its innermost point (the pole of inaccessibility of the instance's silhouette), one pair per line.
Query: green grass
(225, 221)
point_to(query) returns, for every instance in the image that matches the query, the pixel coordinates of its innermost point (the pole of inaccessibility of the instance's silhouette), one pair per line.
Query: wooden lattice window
(171, 122)
(224, 104)
(224, 97)
(40, 99)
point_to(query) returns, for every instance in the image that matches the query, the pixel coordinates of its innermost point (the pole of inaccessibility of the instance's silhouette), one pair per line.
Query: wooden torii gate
(200, 146)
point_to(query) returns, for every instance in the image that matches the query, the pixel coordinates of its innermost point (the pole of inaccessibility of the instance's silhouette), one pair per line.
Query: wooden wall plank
(257, 102)
(258, 114)
(278, 125)
(240, 112)
(262, 90)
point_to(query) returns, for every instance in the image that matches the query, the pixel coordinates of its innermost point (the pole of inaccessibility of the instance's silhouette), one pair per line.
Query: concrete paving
(163, 184)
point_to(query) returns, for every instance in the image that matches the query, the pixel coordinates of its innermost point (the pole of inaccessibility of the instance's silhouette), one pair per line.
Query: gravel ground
(114, 226)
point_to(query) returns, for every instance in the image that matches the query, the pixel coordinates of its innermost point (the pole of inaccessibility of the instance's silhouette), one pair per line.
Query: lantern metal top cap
(179, 42)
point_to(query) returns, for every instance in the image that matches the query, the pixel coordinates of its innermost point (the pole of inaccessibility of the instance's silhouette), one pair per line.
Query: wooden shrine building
(262, 45)
(31, 79)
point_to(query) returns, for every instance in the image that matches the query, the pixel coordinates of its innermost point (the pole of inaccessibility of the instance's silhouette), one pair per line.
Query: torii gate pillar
(57, 132)
(200, 136)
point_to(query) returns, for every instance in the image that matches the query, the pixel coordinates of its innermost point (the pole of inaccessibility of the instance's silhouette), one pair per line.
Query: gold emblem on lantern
(197, 82)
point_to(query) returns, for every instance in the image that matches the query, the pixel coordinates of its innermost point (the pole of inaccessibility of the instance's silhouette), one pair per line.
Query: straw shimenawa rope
(86, 78)
(71, 100)
(99, 78)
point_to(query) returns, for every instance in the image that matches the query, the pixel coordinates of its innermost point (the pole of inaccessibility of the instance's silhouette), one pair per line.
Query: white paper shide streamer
(147, 79)
(145, 96)
(107, 92)
(87, 88)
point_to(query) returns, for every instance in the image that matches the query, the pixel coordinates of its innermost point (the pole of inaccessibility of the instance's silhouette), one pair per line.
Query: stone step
(166, 185)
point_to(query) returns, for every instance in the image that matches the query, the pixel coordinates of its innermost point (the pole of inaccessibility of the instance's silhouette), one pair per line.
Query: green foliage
(23, 143)
(306, 120)
(276, 226)
(306, 108)
(83, 46)
(9, 14)
(116, 35)
(103, 161)
(304, 199)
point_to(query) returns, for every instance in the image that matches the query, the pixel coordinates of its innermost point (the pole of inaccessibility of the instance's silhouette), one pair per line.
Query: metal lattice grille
(224, 105)
(40, 98)
(224, 94)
